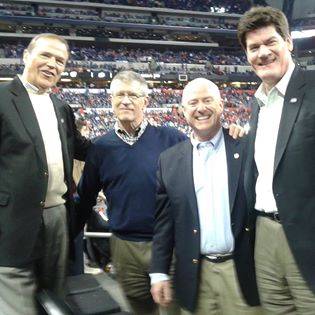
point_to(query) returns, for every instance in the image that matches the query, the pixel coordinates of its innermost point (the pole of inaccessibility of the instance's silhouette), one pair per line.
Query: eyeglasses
(131, 96)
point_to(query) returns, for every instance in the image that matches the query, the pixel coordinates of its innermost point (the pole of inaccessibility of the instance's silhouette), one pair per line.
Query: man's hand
(236, 131)
(162, 293)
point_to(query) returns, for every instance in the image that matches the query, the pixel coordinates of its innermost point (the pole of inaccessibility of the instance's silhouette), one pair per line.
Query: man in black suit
(201, 215)
(38, 141)
(280, 172)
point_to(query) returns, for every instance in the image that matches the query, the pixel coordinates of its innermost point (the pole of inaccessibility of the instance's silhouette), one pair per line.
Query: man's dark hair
(258, 17)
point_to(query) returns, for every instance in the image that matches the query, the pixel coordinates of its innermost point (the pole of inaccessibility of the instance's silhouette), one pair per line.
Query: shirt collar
(138, 131)
(281, 86)
(214, 142)
(32, 88)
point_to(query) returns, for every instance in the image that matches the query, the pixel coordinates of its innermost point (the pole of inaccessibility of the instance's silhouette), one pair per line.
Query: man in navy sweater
(123, 163)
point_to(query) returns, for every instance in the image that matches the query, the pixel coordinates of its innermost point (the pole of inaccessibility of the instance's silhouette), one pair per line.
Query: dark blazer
(23, 170)
(294, 170)
(177, 222)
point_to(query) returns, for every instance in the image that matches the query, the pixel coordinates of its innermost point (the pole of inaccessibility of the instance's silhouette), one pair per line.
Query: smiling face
(268, 54)
(45, 62)
(202, 107)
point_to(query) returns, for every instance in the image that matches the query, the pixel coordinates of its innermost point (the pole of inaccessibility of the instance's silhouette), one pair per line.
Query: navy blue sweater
(127, 176)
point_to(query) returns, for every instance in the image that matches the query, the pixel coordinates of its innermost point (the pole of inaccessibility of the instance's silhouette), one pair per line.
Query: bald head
(200, 84)
(202, 107)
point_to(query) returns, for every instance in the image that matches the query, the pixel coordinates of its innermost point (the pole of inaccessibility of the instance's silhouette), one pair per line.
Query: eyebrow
(202, 98)
(267, 40)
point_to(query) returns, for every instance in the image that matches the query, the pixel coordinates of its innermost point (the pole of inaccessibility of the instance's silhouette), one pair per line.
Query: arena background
(169, 42)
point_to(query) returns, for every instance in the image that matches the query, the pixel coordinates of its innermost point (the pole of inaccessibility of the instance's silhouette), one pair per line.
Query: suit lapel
(61, 119)
(27, 115)
(186, 160)
(253, 129)
(250, 166)
(234, 162)
(291, 107)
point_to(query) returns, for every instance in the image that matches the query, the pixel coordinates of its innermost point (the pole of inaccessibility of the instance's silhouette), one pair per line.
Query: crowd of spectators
(92, 53)
(159, 98)
(214, 6)
(95, 71)
(137, 18)
(68, 13)
(100, 121)
(101, 32)
(86, 99)
(304, 22)
(114, 16)
(213, 63)
(220, 6)
(16, 9)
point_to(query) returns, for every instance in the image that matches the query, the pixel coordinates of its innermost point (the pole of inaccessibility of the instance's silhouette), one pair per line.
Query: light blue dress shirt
(212, 193)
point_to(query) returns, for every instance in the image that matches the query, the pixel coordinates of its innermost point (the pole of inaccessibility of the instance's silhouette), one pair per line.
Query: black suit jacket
(294, 170)
(177, 222)
(23, 170)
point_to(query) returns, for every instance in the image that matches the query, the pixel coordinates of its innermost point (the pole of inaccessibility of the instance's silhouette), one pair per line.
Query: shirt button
(195, 261)
(46, 173)
(195, 231)
(247, 229)
(42, 204)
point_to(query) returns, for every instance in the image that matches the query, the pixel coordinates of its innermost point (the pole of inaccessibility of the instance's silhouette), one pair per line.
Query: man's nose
(201, 106)
(51, 62)
(263, 51)
(126, 99)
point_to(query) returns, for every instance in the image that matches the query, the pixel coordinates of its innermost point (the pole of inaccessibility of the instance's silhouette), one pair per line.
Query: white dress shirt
(271, 105)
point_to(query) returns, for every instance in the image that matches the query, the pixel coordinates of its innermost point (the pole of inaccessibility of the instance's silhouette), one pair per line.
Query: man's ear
(26, 55)
(221, 104)
(184, 111)
(146, 102)
(289, 42)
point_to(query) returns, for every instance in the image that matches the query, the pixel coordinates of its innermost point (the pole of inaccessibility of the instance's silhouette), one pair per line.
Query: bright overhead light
(302, 34)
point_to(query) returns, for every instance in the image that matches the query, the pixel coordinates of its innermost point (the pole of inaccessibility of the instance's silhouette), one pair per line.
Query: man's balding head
(199, 83)
(203, 107)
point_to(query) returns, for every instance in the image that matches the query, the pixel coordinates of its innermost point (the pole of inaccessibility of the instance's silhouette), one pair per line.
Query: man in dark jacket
(38, 141)
(201, 215)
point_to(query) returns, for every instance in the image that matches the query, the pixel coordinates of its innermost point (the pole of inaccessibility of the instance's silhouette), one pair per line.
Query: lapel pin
(236, 155)
(62, 120)
(293, 100)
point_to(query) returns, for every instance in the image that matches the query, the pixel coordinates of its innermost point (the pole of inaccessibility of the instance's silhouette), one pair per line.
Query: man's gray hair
(128, 76)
